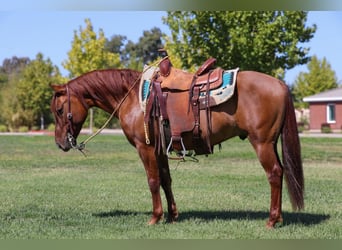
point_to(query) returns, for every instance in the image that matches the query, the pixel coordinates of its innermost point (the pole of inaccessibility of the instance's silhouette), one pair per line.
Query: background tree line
(24, 83)
(266, 41)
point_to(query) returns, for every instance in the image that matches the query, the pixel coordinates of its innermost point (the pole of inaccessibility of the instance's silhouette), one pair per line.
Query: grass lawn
(49, 194)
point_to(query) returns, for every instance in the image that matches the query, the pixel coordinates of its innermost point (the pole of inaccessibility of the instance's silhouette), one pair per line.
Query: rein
(81, 146)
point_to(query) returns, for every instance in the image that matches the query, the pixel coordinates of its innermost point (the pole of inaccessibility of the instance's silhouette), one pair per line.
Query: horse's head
(70, 114)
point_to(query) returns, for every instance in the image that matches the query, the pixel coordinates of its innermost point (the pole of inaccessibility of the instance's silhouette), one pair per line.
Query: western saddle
(177, 98)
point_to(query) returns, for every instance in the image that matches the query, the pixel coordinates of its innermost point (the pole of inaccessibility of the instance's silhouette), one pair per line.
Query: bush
(325, 128)
(23, 129)
(51, 127)
(3, 128)
(301, 127)
(35, 128)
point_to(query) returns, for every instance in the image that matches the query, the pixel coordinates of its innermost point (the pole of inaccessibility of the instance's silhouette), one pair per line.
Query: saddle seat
(180, 80)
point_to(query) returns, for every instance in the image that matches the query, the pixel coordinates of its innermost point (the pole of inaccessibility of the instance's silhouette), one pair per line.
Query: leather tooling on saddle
(177, 98)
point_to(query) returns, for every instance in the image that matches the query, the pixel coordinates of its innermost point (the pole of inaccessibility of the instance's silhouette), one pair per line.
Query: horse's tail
(292, 160)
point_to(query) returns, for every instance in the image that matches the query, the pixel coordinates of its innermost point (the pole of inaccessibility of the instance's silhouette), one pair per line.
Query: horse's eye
(60, 111)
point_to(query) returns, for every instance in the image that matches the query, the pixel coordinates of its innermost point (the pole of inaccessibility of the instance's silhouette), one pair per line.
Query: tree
(12, 68)
(320, 77)
(130, 56)
(149, 44)
(88, 52)
(135, 55)
(27, 97)
(33, 91)
(10, 73)
(115, 44)
(266, 41)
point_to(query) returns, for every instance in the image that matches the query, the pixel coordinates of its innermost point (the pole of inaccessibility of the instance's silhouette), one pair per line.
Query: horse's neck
(106, 96)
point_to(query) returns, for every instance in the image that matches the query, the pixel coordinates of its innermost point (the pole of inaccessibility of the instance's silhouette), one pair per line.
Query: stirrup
(183, 152)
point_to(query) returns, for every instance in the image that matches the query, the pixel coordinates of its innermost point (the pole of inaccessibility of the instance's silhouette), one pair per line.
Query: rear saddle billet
(178, 98)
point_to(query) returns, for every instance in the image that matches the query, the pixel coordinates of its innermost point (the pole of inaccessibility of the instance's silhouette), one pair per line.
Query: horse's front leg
(149, 160)
(166, 181)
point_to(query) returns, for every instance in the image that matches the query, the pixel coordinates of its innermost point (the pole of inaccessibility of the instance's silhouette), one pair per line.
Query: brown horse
(261, 109)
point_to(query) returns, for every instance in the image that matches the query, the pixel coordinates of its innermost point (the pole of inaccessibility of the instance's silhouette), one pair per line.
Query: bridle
(70, 131)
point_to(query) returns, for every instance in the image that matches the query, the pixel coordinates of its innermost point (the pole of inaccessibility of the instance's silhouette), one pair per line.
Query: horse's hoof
(173, 219)
(271, 224)
(154, 220)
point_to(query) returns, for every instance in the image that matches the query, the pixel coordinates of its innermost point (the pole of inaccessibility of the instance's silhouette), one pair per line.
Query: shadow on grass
(119, 213)
(306, 219)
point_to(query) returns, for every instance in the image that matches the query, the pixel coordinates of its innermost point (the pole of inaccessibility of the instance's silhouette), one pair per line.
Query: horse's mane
(110, 83)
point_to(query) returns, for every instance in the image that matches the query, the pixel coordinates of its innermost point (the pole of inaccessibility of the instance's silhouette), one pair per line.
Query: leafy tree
(266, 41)
(10, 72)
(33, 93)
(91, 51)
(11, 68)
(319, 78)
(149, 44)
(135, 55)
(130, 56)
(14, 65)
(176, 60)
(88, 52)
(3, 79)
(115, 44)
(27, 98)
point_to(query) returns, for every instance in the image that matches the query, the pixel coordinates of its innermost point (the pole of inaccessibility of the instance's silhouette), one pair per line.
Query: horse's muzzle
(68, 143)
(65, 146)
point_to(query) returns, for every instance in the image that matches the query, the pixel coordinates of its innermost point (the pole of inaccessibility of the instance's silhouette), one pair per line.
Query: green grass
(48, 194)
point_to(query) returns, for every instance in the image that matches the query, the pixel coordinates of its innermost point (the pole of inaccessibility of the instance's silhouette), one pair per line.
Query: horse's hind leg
(269, 159)
(165, 177)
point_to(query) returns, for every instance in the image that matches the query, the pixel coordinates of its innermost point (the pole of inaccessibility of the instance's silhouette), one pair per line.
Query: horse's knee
(154, 185)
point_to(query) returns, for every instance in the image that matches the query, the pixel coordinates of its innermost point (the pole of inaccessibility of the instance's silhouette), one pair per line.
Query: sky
(24, 33)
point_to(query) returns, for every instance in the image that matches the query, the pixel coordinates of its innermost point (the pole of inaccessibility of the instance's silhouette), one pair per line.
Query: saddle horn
(165, 64)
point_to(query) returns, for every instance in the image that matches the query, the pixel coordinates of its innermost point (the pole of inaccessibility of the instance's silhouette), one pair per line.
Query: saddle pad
(223, 93)
(145, 83)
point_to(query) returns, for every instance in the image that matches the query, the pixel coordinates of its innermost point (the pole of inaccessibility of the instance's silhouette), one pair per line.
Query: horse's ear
(58, 88)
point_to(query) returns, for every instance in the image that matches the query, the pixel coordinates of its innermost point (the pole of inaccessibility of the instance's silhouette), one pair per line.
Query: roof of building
(326, 96)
